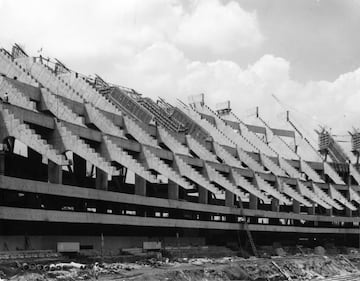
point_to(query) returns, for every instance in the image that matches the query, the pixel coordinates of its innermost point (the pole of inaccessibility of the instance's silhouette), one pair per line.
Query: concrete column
(275, 207)
(329, 212)
(229, 199)
(349, 213)
(203, 195)
(254, 202)
(79, 170)
(296, 207)
(101, 181)
(312, 211)
(173, 190)
(2, 162)
(79, 166)
(54, 172)
(36, 160)
(140, 185)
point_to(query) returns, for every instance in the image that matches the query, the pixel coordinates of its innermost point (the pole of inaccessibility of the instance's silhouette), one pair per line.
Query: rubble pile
(260, 270)
(195, 269)
(301, 268)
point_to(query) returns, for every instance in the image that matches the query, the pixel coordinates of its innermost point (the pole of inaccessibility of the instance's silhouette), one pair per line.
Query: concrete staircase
(218, 136)
(290, 170)
(187, 171)
(29, 137)
(12, 69)
(234, 136)
(336, 195)
(282, 147)
(246, 185)
(289, 191)
(332, 174)
(254, 139)
(200, 150)
(73, 143)
(271, 165)
(225, 156)
(263, 185)
(249, 161)
(171, 142)
(305, 191)
(162, 168)
(122, 157)
(229, 132)
(15, 97)
(218, 178)
(354, 173)
(55, 105)
(96, 117)
(325, 197)
(354, 195)
(48, 79)
(138, 133)
(312, 174)
(90, 94)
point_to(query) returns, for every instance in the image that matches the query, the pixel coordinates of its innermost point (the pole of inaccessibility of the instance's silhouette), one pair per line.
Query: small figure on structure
(6, 97)
(96, 270)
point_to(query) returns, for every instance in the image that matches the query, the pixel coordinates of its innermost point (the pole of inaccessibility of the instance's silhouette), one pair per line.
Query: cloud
(217, 28)
(148, 45)
(164, 70)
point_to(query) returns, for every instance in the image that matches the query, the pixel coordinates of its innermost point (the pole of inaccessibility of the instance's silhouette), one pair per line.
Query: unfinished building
(81, 158)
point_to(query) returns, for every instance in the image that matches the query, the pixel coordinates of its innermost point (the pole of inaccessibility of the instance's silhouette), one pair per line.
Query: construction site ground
(156, 267)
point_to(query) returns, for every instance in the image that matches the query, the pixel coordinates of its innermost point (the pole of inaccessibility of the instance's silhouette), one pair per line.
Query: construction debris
(227, 268)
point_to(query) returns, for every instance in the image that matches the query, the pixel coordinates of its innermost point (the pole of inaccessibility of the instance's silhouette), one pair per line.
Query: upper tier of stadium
(52, 109)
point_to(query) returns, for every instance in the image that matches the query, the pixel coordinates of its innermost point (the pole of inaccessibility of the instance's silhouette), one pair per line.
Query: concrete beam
(25, 214)
(22, 185)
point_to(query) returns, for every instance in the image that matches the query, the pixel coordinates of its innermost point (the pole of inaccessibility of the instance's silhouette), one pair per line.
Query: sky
(301, 55)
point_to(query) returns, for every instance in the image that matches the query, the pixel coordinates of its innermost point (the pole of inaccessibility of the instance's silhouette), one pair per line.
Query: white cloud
(145, 45)
(212, 26)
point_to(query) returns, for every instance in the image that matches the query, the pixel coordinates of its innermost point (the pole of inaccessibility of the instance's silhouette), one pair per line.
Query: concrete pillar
(79, 166)
(254, 202)
(2, 162)
(203, 195)
(348, 212)
(329, 212)
(296, 207)
(101, 181)
(173, 190)
(54, 172)
(275, 207)
(229, 199)
(312, 211)
(140, 185)
(36, 160)
(79, 170)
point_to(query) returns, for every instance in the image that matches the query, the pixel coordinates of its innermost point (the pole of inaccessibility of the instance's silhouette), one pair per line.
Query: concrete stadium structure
(82, 158)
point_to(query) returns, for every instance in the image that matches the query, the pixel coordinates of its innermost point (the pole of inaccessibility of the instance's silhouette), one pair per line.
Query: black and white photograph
(179, 140)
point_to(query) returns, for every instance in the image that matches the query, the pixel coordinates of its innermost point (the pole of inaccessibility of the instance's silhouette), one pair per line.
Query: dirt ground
(298, 267)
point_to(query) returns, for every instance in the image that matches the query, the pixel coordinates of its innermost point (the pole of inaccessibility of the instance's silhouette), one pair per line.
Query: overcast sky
(306, 53)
